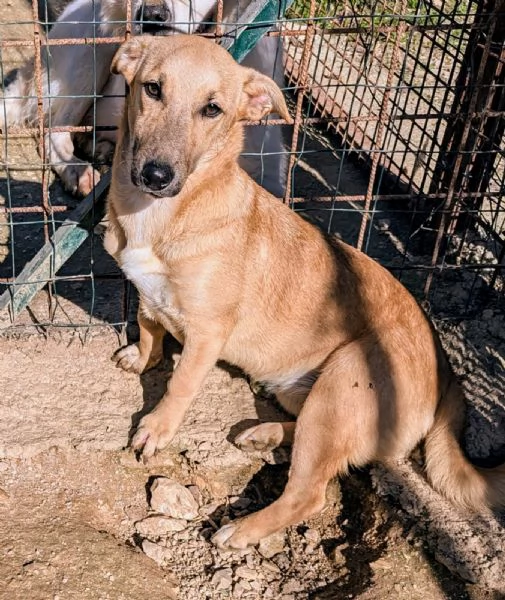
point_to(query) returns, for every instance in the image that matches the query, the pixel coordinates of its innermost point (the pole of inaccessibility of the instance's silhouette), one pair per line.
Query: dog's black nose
(154, 13)
(156, 176)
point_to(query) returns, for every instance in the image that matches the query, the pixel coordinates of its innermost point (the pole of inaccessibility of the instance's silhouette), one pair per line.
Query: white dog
(79, 89)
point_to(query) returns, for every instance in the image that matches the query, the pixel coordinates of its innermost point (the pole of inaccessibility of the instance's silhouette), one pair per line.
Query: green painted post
(62, 245)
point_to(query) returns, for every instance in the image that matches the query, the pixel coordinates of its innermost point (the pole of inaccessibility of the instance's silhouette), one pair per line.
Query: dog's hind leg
(313, 465)
(336, 428)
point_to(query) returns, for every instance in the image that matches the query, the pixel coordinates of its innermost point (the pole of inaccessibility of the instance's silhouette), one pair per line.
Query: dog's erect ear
(261, 96)
(126, 61)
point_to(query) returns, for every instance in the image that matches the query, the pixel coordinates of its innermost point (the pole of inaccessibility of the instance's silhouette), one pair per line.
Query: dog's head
(156, 17)
(187, 103)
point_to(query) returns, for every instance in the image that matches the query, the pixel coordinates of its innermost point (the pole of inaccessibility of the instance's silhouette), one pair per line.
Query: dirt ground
(73, 499)
(71, 496)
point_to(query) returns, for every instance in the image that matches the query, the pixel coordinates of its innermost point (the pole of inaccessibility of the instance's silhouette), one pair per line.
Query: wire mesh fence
(415, 90)
(397, 143)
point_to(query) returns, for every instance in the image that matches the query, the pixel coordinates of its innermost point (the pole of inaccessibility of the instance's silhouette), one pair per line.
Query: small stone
(271, 566)
(282, 561)
(488, 314)
(246, 573)
(381, 564)
(333, 493)
(240, 587)
(209, 509)
(272, 545)
(173, 499)
(249, 561)
(336, 554)
(157, 526)
(157, 553)
(197, 494)
(292, 586)
(222, 579)
(311, 535)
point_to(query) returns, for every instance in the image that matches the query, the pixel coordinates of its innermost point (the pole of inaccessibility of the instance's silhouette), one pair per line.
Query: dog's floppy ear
(261, 96)
(126, 61)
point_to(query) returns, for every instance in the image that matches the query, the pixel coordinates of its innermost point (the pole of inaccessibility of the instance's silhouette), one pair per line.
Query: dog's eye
(153, 89)
(211, 110)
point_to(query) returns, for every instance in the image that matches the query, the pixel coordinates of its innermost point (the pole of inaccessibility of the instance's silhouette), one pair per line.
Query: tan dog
(236, 275)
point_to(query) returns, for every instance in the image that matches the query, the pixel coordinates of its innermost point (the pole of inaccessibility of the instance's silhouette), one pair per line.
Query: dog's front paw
(153, 433)
(79, 179)
(130, 359)
(230, 538)
(263, 437)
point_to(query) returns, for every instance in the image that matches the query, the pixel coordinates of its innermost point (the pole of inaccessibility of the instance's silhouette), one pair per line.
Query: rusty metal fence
(397, 147)
(415, 89)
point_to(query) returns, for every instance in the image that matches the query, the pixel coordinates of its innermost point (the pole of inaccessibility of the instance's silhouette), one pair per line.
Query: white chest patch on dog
(150, 277)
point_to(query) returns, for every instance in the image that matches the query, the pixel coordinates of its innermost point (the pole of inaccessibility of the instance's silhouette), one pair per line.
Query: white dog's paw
(79, 179)
(130, 359)
(153, 433)
(263, 437)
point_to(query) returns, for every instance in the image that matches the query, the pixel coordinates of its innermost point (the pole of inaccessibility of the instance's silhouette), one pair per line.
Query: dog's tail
(448, 469)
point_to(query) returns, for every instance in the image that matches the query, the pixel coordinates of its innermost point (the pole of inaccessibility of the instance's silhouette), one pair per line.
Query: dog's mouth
(168, 192)
(156, 28)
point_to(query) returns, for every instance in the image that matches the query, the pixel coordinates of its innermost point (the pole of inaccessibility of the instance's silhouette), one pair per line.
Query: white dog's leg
(73, 76)
(77, 175)
(77, 74)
